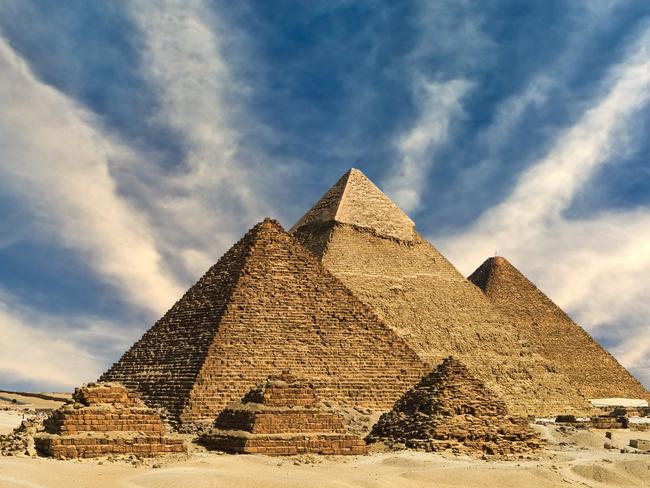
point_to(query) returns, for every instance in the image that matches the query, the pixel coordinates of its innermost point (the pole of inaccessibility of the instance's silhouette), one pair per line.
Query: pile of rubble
(451, 410)
(21, 441)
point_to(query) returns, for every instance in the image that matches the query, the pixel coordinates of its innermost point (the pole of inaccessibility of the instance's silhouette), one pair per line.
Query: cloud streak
(595, 266)
(56, 157)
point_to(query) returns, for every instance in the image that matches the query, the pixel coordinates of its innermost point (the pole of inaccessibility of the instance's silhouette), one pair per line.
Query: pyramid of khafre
(372, 246)
(553, 334)
(266, 306)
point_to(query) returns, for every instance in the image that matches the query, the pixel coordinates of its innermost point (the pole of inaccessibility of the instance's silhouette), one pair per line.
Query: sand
(574, 458)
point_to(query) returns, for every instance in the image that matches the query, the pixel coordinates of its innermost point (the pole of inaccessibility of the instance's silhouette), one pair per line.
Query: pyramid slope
(553, 334)
(414, 289)
(266, 306)
(451, 409)
(355, 200)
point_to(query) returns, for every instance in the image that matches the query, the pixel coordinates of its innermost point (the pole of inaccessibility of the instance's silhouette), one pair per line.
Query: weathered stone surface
(281, 417)
(266, 306)
(450, 409)
(355, 200)
(420, 295)
(553, 334)
(105, 418)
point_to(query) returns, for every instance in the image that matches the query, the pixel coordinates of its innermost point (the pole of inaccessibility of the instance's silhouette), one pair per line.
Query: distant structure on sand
(357, 302)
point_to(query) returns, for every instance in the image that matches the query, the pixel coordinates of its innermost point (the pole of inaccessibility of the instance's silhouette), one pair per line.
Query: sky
(140, 139)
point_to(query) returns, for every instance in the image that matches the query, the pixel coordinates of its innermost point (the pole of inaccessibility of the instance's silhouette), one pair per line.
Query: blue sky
(140, 139)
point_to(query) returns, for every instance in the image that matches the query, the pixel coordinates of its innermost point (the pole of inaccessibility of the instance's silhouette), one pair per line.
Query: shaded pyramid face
(266, 306)
(451, 409)
(553, 334)
(414, 289)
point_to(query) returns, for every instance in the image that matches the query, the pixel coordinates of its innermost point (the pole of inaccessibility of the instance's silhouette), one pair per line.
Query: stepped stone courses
(450, 409)
(105, 419)
(266, 306)
(281, 417)
(553, 334)
(421, 296)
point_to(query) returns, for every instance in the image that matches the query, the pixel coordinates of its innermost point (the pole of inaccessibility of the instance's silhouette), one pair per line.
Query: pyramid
(553, 334)
(451, 409)
(373, 248)
(104, 419)
(267, 305)
(282, 416)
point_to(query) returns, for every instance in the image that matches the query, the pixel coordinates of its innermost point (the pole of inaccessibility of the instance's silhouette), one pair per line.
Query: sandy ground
(20, 401)
(574, 458)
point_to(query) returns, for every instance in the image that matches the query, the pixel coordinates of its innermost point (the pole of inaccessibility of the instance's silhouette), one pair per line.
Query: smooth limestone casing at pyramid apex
(363, 308)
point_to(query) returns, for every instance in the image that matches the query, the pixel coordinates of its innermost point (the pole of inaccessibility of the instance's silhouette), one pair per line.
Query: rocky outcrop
(449, 409)
(280, 417)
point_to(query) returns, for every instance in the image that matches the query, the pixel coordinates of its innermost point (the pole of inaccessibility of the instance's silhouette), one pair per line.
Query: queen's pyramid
(451, 409)
(373, 248)
(553, 334)
(266, 306)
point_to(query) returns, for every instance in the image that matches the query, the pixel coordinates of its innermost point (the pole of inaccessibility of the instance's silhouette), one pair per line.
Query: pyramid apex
(357, 201)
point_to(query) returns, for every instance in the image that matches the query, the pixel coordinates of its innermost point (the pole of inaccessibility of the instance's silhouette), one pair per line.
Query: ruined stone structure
(281, 417)
(451, 409)
(105, 419)
(553, 334)
(266, 306)
(373, 248)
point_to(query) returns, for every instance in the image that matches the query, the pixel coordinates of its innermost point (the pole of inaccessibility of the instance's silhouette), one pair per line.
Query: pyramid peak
(355, 200)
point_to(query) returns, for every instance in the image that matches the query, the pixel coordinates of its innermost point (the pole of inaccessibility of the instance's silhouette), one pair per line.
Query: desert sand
(573, 458)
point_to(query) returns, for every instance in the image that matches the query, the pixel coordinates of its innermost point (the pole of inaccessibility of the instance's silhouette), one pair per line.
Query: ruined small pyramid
(104, 419)
(356, 201)
(553, 334)
(449, 409)
(281, 416)
(365, 240)
(267, 305)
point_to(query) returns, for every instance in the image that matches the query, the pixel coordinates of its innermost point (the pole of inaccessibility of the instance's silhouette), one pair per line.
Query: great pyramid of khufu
(553, 334)
(266, 306)
(373, 248)
(281, 416)
(451, 409)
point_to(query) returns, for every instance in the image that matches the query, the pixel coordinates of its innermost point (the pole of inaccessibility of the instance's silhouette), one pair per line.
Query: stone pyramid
(104, 419)
(553, 334)
(373, 248)
(451, 409)
(267, 305)
(281, 417)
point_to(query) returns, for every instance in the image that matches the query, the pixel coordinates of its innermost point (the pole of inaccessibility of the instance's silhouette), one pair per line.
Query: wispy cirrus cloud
(57, 158)
(593, 266)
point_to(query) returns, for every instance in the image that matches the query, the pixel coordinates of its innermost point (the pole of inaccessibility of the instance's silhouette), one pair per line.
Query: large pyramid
(372, 246)
(266, 306)
(553, 334)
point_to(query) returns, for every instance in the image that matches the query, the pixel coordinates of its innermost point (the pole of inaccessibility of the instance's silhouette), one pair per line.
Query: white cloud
(44, 350)
(216, 190)
(439, 106)
(594, 267)
(56, 157)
